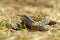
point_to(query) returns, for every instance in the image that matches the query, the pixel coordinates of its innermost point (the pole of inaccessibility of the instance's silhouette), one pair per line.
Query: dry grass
(45, 10)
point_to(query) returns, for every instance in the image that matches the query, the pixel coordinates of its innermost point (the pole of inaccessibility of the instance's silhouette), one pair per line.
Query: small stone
(41, 28)
(12, 26)
(43, 22)
(45, 28)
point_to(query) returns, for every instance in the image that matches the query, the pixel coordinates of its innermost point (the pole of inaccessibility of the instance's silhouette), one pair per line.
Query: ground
(8, 14)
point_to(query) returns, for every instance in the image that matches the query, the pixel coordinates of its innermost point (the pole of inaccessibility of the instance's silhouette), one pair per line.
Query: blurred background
(38, 10)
